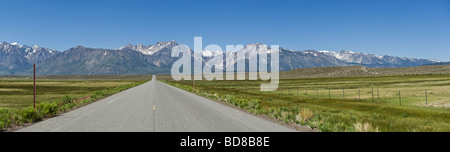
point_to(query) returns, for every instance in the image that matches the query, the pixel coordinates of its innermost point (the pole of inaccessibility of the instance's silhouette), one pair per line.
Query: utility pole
(34, 85)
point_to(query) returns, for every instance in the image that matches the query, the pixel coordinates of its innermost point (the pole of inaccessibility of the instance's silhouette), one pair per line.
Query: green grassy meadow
(16, 94)
(342, 103)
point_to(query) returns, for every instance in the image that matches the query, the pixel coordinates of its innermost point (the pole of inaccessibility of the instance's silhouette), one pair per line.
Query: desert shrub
(326, 128)
(2, 125)
(262, 111)
(365, 127)
(304, 115)
(29, 114)
(71, 106)
(314, 123)
(85, 101)
(285, 116)
(47, 109)
(291, 117)
(276, 113)
(230, 99)
(67, 107)
(254, 104)
(66, 99)
(336, 127)
(212, 95)
(241, 103)
(94, 97)
(62, 108)
(98, 94)
(5, 118)
(271, 110)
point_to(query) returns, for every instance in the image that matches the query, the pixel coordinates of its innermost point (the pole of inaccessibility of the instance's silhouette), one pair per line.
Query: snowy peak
(330, 53)
(207, 53)
(342, 55)
(32, 54)
(17, 44)
(310, 52)
(150, 50)
(373, 59)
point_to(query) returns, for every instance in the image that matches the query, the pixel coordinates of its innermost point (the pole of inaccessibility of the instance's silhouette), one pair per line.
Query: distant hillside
(355, 71)
(442, 63)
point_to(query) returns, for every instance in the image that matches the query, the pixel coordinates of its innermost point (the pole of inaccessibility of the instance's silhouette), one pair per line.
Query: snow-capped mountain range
(33, 53)
(151, 49)
(364, 58)
(292, 59)
(17, 59)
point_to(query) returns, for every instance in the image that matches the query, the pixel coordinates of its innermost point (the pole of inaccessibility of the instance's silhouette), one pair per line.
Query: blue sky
(409, 28)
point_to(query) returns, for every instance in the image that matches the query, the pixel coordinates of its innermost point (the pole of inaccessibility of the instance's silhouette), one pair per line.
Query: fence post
(426, 97)
(400, 96)
(343, 93)
(378, 94)
(317, 92)
(359, 94)
(329, 93)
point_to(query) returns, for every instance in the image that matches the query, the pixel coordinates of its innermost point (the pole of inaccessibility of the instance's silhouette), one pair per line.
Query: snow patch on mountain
(32, 54)
(152, 49)
(207, 53)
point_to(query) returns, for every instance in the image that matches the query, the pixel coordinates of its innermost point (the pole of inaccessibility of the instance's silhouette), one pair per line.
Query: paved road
(155, 107)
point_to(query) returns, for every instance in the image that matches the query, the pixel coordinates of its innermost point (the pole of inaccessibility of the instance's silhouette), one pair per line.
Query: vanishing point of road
(156, 107)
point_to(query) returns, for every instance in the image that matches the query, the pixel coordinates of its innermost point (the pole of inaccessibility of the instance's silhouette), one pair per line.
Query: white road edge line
(111, 101)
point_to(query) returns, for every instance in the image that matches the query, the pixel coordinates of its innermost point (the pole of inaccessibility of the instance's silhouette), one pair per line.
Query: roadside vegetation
(341, 104)
(54, 97)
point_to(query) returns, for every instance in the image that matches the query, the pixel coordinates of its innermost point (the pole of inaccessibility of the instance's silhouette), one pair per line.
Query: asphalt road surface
(156, 107)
